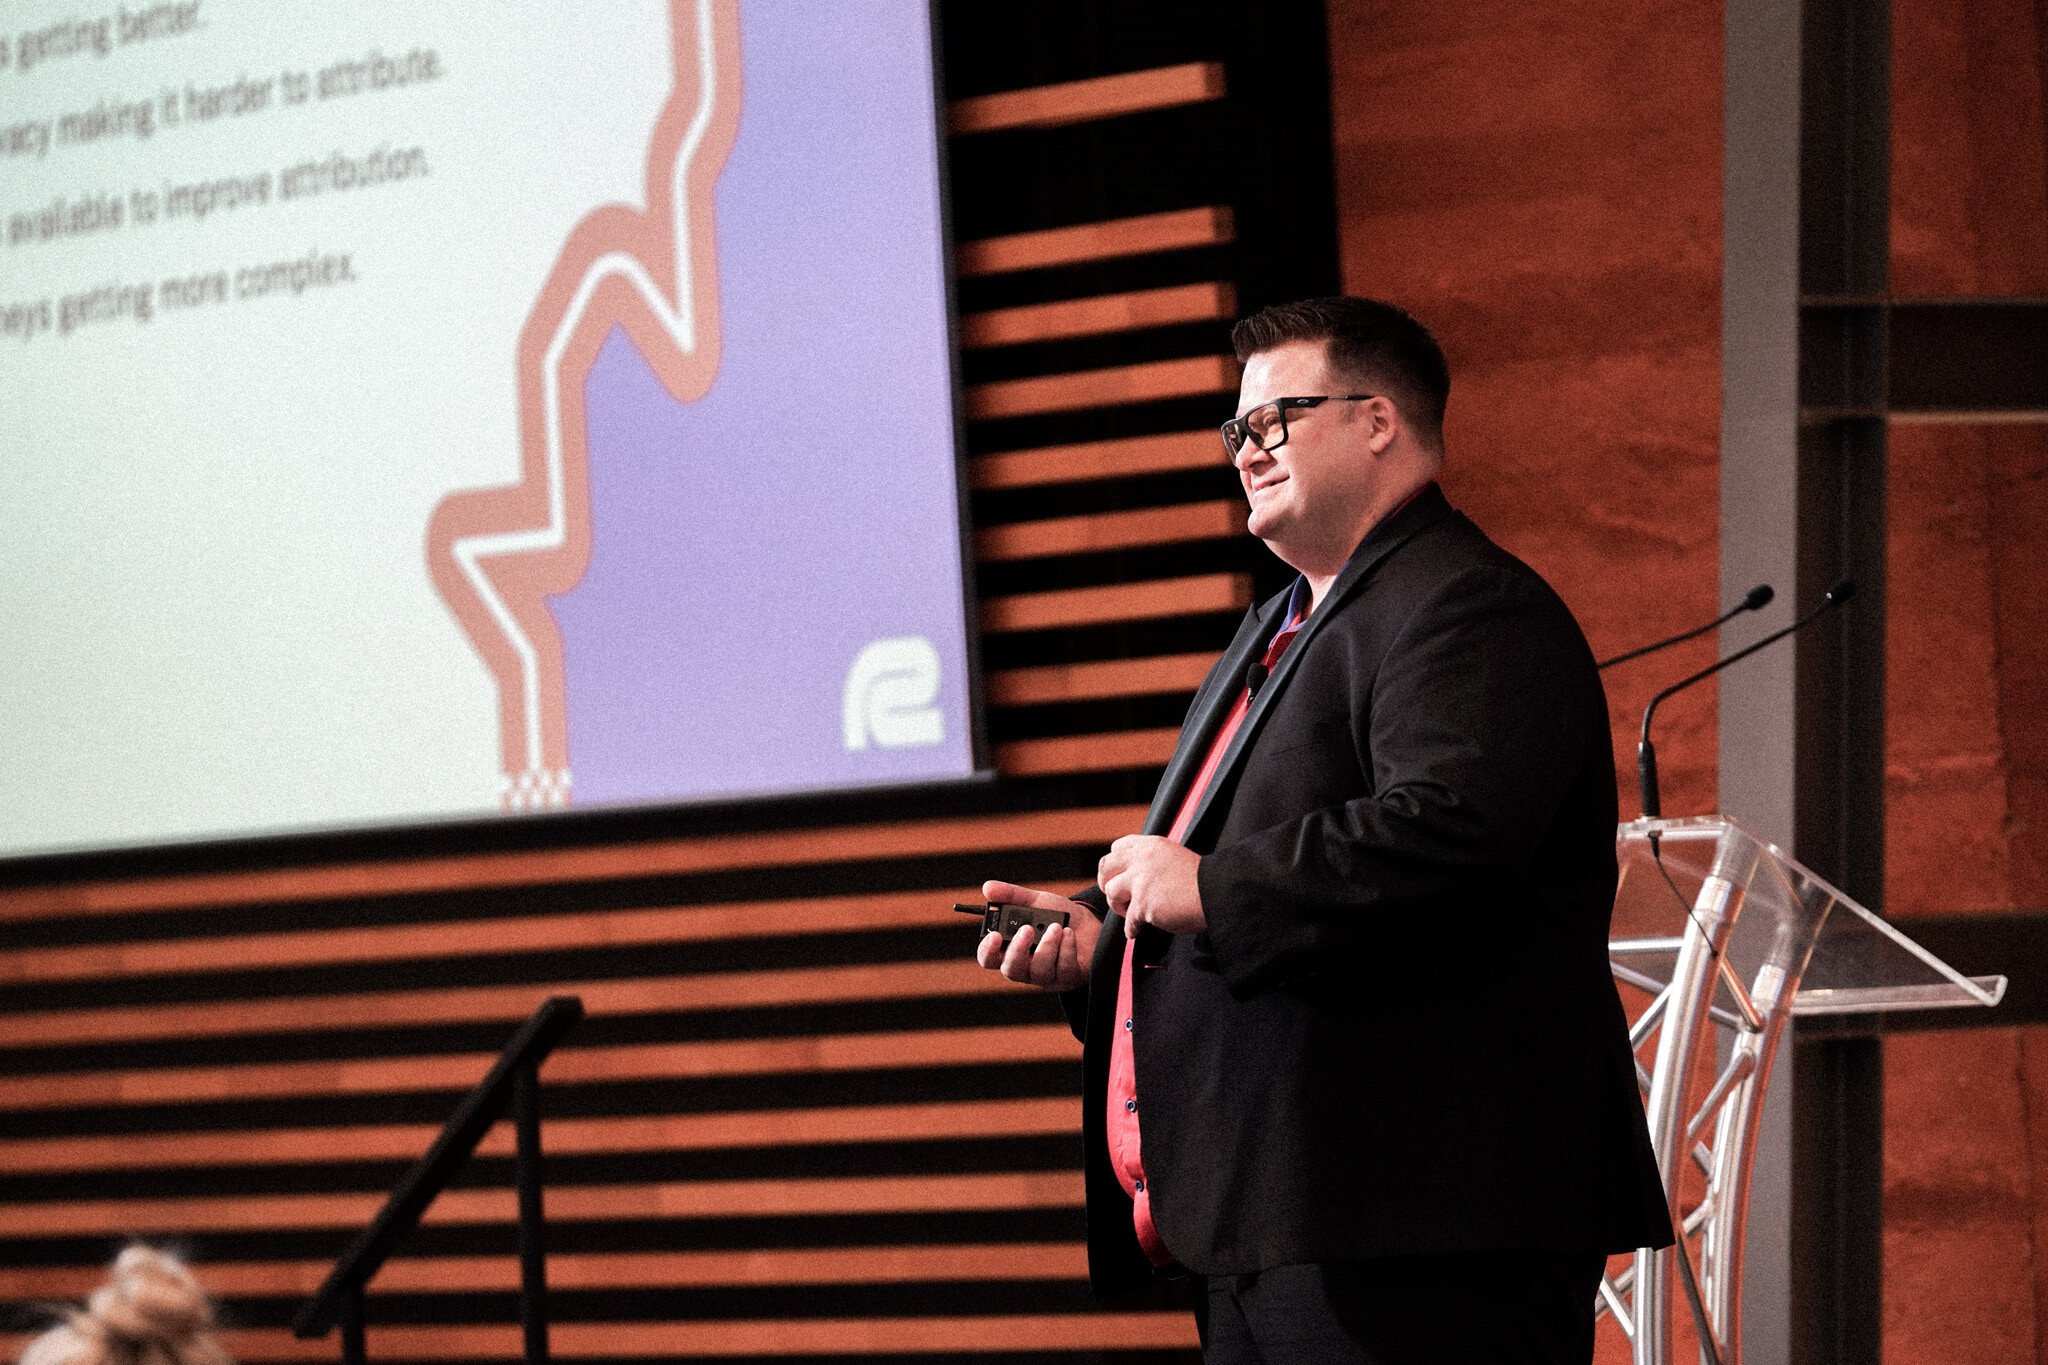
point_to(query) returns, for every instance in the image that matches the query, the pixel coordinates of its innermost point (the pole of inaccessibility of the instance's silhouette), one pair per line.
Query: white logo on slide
(889, 694)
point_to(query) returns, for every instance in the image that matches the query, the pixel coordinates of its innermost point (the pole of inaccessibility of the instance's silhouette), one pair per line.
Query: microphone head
(1841, 592)
(1758, 597)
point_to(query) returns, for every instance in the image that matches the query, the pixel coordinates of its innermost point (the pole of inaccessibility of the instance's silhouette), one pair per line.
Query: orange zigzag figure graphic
(496, 554)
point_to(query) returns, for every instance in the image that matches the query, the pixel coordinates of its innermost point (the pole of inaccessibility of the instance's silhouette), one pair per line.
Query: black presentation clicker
(1008, 919)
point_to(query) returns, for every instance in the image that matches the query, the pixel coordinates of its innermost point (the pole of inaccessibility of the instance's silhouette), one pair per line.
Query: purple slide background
(745, 547)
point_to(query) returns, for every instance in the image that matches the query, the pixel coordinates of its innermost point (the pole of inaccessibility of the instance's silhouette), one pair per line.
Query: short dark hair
(1376, 344)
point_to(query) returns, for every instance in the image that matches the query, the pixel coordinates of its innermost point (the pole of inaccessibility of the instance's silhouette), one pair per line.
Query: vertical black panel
(1281, 166)
(1839, 811)
(1844, 208)
(1845, 147)
(1835, 1174)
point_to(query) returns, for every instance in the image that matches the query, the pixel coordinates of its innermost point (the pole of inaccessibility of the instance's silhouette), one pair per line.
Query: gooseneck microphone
(1646, 753)
(1755, 599)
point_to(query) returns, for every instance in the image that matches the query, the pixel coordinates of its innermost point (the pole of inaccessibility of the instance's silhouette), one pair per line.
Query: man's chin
(1266, 523)
(1282, 536)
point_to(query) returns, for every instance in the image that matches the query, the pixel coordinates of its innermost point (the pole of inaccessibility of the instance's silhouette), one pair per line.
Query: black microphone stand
(1755, 599)
(1646, 752)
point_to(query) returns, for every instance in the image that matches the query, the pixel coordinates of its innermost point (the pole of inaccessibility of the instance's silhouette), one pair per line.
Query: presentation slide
(430, 410)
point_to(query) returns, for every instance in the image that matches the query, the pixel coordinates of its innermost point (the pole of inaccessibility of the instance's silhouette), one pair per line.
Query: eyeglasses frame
(1300, 404)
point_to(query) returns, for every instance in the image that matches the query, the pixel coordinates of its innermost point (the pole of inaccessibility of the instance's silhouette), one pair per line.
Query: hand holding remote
(1057, 961)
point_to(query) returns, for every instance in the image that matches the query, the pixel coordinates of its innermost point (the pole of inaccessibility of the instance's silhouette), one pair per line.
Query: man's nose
(1250, 457)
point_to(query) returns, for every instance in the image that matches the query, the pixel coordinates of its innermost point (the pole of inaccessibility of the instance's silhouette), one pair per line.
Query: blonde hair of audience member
(151, 1311)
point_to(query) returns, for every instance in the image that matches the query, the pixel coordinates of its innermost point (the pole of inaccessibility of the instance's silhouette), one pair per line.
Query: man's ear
(1386, 424)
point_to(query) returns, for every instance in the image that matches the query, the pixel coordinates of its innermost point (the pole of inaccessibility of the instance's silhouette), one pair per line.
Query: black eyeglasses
(1265, 426)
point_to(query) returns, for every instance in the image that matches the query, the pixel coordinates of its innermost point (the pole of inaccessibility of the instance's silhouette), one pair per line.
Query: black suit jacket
(1399, 1034)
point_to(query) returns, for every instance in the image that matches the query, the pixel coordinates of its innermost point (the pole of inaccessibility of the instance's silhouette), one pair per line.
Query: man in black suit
(1355, 967)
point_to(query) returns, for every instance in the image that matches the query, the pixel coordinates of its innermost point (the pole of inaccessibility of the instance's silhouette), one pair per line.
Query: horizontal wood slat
(1095, 460)
(1087, 753)
(1095, 681)
(1105, 388)
(1960, 417)
(606, 1270)
(485, 1004)
(472, 938)
(1099, 315)
(813, 1053)
(721, 853)
(562, 1137)
(926, 1193)
(747, 1337)
(1119, 602)
(1100, 531)
(1174, 230)
(1100, 97)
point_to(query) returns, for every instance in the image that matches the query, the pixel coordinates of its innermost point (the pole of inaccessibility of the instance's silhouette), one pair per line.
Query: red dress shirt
(1124, 1151)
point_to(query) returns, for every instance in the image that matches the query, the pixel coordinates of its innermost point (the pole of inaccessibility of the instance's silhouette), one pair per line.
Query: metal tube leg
(1694, 976)
(533, 1285)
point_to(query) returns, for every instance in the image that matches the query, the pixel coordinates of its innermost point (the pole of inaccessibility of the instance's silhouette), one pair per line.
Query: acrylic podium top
(1788, 923)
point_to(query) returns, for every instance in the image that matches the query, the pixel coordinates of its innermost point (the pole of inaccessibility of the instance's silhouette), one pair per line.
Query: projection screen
(431, 410)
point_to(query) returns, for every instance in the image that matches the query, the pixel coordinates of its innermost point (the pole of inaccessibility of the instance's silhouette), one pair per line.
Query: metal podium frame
(1729, 939)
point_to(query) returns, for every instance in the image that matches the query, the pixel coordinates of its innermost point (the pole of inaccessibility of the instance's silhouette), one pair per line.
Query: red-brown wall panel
(1964, 1162)
(1969, 150)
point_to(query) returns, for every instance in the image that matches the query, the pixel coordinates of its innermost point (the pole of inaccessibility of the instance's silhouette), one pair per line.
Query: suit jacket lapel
(1211, 705)
(1427, 508)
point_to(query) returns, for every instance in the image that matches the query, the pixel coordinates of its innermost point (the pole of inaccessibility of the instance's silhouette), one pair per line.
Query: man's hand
(1060, 963)
(1150, 880)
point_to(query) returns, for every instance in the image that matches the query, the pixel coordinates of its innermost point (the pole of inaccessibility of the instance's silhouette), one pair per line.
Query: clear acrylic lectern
(1723, 939)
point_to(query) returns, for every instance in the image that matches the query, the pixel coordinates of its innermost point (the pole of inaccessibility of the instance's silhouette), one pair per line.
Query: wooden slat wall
(798, 1123)
(1051, 106)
